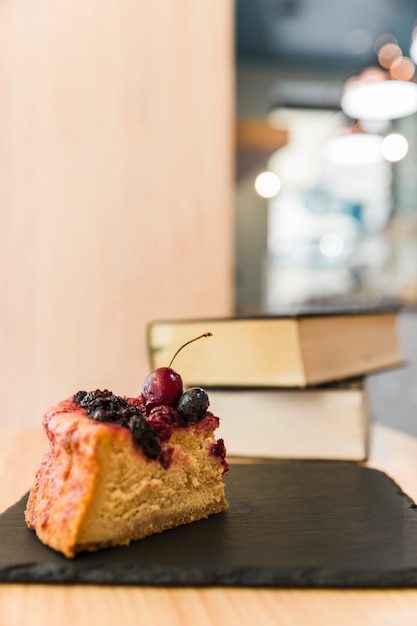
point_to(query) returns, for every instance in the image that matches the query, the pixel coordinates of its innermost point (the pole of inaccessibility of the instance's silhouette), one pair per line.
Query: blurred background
(165, 160)
(334, 84)
(326, 162)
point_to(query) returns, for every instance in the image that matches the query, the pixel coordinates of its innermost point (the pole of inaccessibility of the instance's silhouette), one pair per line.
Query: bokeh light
(383, 39)
(402, 68)
(267, 184)
(359, 40)
(388, 53)
(331, 245)
(394, 147)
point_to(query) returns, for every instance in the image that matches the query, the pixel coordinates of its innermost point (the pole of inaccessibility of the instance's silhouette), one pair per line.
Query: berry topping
(166, 457)
(168, 414)
(104, 406)
(145, 436)
(164, 386)
(193, 404)
(218, 450)
(152, 415)
(163, 419)
(138, 402)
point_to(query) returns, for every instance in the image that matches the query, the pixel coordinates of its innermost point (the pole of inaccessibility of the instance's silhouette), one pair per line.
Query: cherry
(164, 385)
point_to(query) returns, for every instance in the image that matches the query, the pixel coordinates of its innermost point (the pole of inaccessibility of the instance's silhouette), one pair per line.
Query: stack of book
(288, 386)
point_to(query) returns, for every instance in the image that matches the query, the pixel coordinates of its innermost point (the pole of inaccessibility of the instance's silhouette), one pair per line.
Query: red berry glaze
(163, 386)
(163, 420)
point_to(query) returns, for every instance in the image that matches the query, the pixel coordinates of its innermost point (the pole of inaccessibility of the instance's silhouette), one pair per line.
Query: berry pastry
(119, 468)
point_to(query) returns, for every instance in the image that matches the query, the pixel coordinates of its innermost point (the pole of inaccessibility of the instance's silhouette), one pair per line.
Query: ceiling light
(380, 100)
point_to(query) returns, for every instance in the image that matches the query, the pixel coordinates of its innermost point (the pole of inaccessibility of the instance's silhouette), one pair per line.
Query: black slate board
(290, 524)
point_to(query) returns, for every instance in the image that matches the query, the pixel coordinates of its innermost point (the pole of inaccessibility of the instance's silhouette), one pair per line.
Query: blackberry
(79, 396)
(145, 436)
(193, 404)
(104, 406)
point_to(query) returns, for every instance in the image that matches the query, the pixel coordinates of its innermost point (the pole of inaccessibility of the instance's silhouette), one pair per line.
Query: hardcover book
(330, 422)
(294, 350)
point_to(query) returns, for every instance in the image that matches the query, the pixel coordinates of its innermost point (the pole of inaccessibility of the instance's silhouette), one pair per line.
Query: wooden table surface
(20, 453)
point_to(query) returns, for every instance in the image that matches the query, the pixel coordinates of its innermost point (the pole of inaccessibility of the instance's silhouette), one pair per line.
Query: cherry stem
(186, 344)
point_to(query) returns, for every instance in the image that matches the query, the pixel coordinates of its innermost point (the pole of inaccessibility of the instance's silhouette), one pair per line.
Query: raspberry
(163, 419)
(218, 450)
(168, 414)
(161, 428)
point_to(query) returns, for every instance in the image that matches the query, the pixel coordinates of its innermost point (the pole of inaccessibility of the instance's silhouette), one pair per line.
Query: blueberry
(193, 404)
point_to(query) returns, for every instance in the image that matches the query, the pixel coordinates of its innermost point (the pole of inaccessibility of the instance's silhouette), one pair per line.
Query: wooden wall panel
(116, 187)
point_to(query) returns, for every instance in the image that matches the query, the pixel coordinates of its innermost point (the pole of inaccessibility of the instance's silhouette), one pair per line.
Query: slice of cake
(118, 469)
